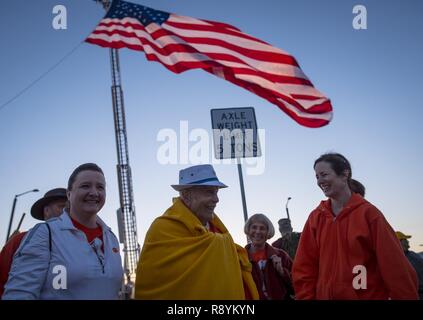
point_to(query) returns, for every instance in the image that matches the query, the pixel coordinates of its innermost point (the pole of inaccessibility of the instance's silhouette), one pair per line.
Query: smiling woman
(344, 234)
(74, 256)
(271, 266)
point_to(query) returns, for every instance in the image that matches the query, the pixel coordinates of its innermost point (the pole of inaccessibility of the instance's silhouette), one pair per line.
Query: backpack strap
(49, 236)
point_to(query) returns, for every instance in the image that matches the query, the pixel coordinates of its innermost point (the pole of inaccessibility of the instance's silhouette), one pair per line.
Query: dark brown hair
(83, 167)
(357, 187)
(338, 163)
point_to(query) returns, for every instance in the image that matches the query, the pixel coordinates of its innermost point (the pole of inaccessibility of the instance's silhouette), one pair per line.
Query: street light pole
(286, 207)
(13, 210)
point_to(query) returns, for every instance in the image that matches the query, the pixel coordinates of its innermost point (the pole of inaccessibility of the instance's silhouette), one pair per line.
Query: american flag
(182, 43)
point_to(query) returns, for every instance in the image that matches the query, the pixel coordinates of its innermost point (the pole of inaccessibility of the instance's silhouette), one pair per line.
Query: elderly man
(188, 253)
(49, 206)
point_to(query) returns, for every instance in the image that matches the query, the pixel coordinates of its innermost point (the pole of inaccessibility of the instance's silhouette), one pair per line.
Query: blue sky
(372, 77)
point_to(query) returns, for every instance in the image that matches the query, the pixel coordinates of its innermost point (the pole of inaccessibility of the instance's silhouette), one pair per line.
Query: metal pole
(241, 182)
(13, 210)
(11, 217)
(20, 221)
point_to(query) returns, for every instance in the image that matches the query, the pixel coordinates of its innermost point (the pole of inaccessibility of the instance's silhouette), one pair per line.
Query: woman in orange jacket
(347, 249)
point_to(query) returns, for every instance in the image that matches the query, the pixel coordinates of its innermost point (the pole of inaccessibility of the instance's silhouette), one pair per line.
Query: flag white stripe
(182, 19)
(307, 104)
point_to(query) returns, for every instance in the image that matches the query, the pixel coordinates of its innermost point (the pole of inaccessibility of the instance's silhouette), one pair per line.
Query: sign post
(241, 183)
(235, 137)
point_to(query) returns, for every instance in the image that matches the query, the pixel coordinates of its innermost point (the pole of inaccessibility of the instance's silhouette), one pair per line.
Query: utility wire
(40, 77)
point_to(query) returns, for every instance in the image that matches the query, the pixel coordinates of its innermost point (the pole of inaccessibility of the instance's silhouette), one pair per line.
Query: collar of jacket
(66, 222)
(354, 202)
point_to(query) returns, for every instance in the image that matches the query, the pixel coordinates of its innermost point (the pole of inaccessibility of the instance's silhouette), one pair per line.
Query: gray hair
(259, 217)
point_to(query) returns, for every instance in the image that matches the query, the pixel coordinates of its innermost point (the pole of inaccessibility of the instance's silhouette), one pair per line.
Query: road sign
(235, 133)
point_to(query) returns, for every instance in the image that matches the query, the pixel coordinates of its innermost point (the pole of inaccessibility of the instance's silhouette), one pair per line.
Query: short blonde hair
(259, 217)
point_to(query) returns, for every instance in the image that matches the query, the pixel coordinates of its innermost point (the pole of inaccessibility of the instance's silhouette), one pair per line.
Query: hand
(277, 263)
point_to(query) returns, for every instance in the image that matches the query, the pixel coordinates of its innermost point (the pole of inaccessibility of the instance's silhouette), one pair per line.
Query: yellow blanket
(182, 260)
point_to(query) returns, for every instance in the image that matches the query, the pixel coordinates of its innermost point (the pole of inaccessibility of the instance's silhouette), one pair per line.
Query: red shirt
(259, 255)
(90, 233)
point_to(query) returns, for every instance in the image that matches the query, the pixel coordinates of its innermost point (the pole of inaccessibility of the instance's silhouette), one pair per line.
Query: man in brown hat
(49, 206)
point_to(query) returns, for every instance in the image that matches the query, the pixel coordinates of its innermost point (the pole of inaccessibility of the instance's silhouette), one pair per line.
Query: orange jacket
(330, 248)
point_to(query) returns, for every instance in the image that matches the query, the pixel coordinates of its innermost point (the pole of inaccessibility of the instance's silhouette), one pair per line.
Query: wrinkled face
(327, 179)
(54, 209)
(257, 232)
(88, 193)
(405, 244)
(202, 201)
